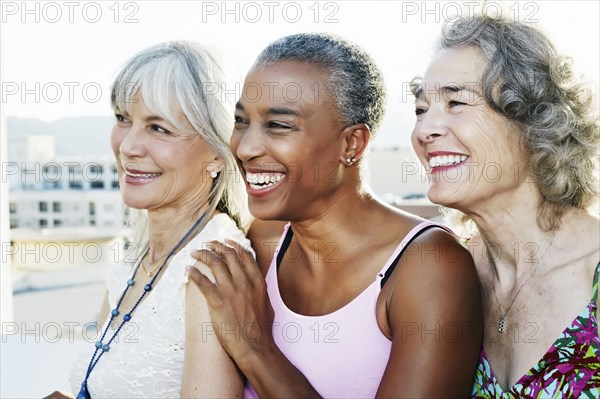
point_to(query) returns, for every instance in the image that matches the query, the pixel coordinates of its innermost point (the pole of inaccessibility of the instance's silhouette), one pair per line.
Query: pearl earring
(213, 174)
(350, 161)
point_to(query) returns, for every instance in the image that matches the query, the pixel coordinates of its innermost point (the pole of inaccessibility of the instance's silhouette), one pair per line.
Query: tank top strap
(595, 286)
(390, 265)
(284, 241)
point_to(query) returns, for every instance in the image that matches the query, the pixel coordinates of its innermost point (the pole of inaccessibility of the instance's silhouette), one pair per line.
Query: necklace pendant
(501, 325)
(83, 393)
(150, 274)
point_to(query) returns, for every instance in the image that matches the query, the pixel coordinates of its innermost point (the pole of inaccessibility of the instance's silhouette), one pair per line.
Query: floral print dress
(569, 369)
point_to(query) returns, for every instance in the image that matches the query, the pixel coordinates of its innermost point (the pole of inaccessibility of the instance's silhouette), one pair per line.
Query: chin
(264, 214)
(444, 198)
(265, 211)
(133, 204)
(138, 207)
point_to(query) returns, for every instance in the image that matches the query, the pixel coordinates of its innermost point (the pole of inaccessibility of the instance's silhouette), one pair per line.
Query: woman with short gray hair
(361, 299)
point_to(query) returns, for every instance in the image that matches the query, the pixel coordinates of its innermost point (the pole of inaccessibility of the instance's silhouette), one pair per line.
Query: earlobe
(214, 168)
(356, 140)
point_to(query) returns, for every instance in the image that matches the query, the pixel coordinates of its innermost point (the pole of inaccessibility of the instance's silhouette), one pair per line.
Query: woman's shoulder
(429, 246)
(222, 227)
(413, 228)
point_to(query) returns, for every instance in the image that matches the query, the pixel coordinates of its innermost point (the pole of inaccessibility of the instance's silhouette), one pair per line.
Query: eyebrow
(416, 86)
(153, 118)
(455, 88)
(418, 92)
(449, 88)
(282, 111)
(272, 110)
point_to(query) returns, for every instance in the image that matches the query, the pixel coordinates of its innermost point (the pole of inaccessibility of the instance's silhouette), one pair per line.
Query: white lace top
(146, 358)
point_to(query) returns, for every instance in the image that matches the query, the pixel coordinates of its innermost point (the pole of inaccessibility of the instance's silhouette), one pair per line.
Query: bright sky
(58, 57)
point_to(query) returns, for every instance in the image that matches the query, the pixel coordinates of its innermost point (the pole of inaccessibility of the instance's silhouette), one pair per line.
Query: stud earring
(213, 174)
(350, 161)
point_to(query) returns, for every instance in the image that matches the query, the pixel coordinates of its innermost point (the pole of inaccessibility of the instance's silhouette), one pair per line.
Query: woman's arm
(240, 307)
(208, 372)
(435, 317)
(437, 293)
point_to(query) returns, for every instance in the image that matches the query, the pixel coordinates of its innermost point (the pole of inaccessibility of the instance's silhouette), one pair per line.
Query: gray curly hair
(529, 83)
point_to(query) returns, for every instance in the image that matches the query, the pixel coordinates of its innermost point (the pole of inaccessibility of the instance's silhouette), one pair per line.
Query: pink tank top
(343, 354)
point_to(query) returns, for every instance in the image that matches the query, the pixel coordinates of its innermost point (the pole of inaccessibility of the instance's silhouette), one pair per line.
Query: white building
(64, 193)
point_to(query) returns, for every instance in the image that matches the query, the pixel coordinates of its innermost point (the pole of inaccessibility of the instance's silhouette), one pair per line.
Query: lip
(262, 171)
(441, 153)
(444, 168)
(139, 177)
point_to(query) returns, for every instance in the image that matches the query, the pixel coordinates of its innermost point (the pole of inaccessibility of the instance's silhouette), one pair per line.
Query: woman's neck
(166, 227)
(344, 223)
(514, 244)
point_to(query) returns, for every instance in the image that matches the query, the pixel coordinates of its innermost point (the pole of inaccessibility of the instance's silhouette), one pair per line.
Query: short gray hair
(357, 83)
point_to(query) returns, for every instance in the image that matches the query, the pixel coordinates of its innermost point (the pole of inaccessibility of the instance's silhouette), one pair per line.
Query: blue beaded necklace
(100, 347)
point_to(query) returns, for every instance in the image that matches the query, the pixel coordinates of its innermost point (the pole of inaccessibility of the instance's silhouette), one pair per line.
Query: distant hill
(89, 136)
(80, 136)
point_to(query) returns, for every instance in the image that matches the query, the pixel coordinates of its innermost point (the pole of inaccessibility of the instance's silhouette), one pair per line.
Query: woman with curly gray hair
(509, 138)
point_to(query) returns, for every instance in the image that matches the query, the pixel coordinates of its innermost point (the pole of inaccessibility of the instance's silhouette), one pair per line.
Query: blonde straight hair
(184, 78)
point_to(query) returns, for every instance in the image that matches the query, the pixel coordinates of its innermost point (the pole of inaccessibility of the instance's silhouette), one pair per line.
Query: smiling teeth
(445, 160)
(142, 175)
(259, 181)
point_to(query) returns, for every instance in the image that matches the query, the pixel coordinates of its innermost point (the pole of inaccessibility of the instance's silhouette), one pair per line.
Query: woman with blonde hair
(178, 175)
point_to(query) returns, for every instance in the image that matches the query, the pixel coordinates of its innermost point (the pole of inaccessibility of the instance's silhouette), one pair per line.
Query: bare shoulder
(264, 236)
(394, 222)
(437, 250)
(436, 260)
(433, 289)
(434, 246)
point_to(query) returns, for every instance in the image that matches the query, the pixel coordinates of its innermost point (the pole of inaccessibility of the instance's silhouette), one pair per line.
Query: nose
(430, 126)
(250, 143)
(132, 142)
